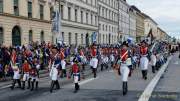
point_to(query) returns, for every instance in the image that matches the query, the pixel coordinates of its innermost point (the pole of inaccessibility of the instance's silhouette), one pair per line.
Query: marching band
(122, 58)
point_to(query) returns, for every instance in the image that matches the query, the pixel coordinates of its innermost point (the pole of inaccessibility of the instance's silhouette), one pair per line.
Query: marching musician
(54, 70)
(144, 60)
(124, 70)
(94, 60)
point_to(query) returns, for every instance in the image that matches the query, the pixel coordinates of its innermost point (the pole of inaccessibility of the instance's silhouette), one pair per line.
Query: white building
(79, 21)
(108, 21)
(124, 20)
(132, 27)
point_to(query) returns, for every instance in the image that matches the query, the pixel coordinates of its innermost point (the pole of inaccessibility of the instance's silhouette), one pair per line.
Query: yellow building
(24, 21)
(139, 24)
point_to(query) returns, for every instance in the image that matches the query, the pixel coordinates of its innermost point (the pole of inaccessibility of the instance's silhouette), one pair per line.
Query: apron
(144, 63)
(124, 72)
(94, 62)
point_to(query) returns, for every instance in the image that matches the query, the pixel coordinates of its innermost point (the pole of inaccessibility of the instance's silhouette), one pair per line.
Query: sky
(165, 12)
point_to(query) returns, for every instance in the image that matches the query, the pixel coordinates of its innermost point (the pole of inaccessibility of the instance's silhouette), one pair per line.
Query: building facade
(132, 22)
(139, 25)
(124, 20)
(24, 21)
(79, 21)
(108, 21)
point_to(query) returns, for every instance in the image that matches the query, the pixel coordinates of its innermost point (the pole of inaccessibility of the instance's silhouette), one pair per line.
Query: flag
(56, 25)
(94, 37)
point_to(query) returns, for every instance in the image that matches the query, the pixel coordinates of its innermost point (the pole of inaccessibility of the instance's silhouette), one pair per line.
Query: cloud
(164, 12)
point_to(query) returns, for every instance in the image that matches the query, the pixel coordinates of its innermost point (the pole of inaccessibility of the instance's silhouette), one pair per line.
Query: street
(106, 87)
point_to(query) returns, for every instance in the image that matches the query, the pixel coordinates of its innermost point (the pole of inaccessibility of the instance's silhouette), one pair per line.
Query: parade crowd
(23, 63)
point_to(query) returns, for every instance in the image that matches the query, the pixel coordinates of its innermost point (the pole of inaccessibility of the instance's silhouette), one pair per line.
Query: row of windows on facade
(105, 28)
(29, 4)
(105, 38)
(111, 3)
(30, 36)
(104, 12)
(91, 2)
(76, 13)
(109, 38)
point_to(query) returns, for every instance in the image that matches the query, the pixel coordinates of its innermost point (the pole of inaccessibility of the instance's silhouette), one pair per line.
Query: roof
(146, 16)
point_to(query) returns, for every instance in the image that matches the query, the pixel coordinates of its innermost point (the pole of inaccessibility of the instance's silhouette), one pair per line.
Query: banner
(56, 25)
(94, 37)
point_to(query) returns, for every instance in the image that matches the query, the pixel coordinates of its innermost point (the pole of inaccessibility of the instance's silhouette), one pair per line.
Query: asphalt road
(168, 88)
(106, 87)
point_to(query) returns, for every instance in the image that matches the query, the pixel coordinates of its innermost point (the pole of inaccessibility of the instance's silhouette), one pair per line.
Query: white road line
(86, 81)
(5, 87)
(149, 89)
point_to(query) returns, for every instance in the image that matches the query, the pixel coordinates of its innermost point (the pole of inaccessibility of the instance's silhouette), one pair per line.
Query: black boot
(29, 84)
(76, 88)
(101, 67)
(153, 69)
(32, 85)
(145, 74)
(23, 85)
(13, 84)
(19, 83)
(124, 88)
(36, 85)
(57, 85)
(52, 86)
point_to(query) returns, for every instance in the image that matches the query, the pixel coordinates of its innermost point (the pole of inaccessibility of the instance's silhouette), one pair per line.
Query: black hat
(125, 43)
(143, 41)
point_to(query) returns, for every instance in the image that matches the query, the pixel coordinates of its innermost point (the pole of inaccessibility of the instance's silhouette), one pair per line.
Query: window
(30, 36)
(103, 12)
(41, 11)
(76, 15)
(51, 12)
(81, 16)
(76, 38)
(87, 18)
(99, 26)
(81, 38)
(95, 20)
(29, 9)
(103, 38)
(63, 36)
(69, 38)
(62, 12)
(69, 13)
(91, 19)
(103, 27)
(42, 36)
(16, 7)
(1, 6)
(1, 36)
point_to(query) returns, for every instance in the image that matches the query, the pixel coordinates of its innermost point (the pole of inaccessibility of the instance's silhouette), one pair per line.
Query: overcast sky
(165, 12)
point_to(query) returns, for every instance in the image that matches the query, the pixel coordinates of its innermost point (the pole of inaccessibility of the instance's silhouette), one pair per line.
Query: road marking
(111, 71)
(86, 81)
(149, 89)
(7, 86)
